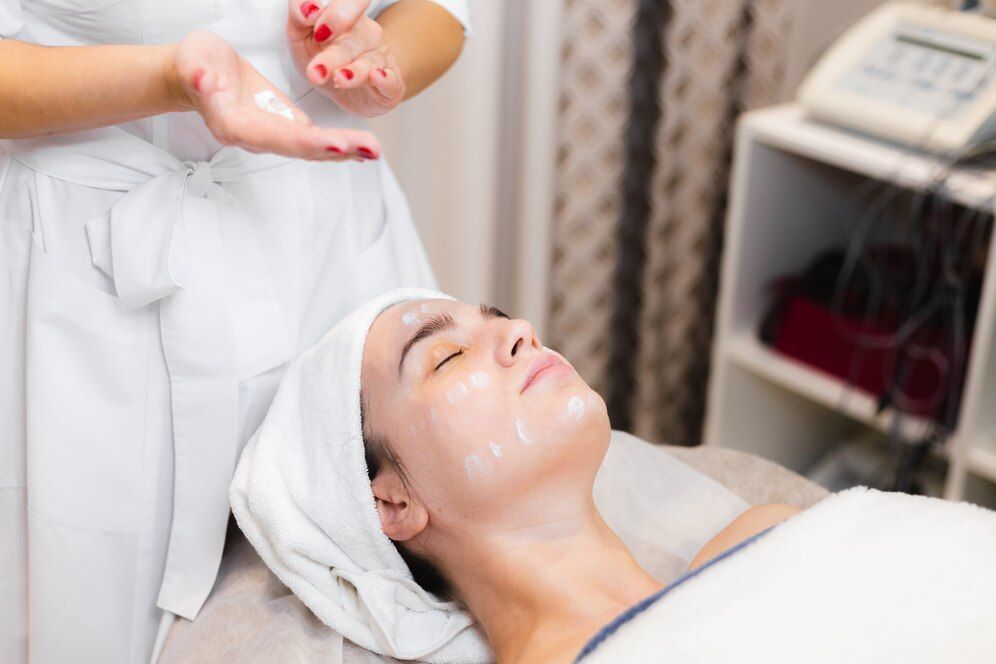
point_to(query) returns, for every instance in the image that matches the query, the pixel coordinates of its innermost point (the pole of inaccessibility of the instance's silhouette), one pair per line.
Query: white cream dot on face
(425, 308)
(456, 393)
(480, 379)
(432, 414)
(495, 448)
(409, 318)
(575, 408)
(476, 467)
(520, 428)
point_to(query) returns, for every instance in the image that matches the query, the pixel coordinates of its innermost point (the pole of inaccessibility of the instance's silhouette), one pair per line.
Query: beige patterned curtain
(716, 58)
(595, 66)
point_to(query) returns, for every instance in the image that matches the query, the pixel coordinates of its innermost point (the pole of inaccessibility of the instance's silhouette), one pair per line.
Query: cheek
(562, 434)
(476, 442)
(467, 396)
(468, 409)
(468, 424)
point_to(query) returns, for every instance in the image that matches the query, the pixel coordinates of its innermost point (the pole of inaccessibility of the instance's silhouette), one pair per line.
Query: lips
(542, 364)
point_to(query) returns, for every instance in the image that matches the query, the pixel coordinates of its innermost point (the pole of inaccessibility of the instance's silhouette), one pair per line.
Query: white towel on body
(863, 577)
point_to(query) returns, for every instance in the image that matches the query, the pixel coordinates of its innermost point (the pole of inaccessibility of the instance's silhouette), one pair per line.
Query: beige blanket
(252, 617)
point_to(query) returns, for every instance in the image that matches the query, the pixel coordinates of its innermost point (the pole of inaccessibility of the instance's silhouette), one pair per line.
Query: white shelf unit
(791, 177)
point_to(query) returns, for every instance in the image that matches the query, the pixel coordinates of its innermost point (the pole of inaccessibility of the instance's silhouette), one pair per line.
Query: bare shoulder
(751, 522)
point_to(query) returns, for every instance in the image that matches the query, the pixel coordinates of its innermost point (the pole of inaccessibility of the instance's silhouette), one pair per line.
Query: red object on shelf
(809, 332)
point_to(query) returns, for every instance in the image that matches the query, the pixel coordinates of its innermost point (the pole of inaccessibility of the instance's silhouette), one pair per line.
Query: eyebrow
(441, 323)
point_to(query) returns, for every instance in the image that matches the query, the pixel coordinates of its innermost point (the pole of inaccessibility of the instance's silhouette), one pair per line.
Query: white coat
(153, 286)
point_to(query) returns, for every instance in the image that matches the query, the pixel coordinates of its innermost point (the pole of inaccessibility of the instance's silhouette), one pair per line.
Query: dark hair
(425, 571)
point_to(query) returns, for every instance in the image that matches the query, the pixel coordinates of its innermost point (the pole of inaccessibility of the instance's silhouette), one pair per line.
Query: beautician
(188, 200)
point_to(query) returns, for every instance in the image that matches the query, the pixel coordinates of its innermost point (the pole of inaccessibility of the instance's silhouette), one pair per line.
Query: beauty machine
(912, 73)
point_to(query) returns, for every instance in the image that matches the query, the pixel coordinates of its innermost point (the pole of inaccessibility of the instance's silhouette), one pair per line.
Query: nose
(517, 337)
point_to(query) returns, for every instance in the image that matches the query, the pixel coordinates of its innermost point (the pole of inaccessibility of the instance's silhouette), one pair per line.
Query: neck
(540, 591)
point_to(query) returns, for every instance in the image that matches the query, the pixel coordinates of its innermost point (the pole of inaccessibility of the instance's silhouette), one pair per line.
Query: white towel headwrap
(302, 496)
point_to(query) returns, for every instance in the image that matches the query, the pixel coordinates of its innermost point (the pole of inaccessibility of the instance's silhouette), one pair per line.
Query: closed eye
(459, 352)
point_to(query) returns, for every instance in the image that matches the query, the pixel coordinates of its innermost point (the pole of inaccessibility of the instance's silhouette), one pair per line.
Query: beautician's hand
(214, 80)
(343, 53)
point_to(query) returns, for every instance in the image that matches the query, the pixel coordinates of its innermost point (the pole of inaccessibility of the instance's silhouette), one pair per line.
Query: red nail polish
(348, 73)
(334, 149)
(198, 75)
(366, 152)
(308, 9)
(322, 70)
(383, 73)
(322, 33)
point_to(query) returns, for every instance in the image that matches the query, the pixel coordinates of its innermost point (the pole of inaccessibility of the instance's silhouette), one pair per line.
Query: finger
(260, 132)
(197, 74)
(301, 17)
(359, 143)
(304, 13)
(338, 18)
(340, 53)
(388, 83)
(204, 81)
(356, 73)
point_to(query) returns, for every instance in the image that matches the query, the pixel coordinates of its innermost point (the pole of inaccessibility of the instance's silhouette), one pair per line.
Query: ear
(401, 518)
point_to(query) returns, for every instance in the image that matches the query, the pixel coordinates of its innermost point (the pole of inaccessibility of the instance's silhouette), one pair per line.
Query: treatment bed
(251, 617)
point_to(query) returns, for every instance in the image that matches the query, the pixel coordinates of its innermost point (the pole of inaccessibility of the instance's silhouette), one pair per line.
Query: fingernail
(322, 33)
(322, 70)
(366, 153)
(347, 73)
(382, 72)
(198, 75)
(308, 9)
(334, 149)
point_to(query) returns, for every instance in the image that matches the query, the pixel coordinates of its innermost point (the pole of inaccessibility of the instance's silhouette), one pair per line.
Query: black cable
(923, 301)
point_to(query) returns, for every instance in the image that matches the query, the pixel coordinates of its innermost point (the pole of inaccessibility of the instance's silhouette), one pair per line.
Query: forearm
(52, 90)
(425, 38)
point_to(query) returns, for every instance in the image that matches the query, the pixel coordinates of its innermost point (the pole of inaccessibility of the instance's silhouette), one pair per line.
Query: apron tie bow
(170, 240)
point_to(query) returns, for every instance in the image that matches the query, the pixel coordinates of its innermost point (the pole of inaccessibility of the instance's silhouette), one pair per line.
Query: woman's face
(481, 416)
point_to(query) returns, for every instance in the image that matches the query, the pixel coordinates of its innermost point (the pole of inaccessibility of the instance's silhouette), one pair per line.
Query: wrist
(176, 96)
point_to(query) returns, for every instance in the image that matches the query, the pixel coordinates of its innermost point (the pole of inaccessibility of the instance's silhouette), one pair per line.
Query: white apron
(152, 288)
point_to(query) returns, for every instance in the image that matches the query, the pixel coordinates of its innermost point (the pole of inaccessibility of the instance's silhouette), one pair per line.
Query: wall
(475, 152)
(443, 147)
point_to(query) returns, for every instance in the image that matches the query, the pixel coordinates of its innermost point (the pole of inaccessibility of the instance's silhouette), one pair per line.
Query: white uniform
(152, 288)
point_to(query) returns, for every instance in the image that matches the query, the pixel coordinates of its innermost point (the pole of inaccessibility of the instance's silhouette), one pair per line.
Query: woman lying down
(423, 482)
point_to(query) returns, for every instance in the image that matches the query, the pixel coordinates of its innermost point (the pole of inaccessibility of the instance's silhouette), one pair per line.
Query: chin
(578, 420)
